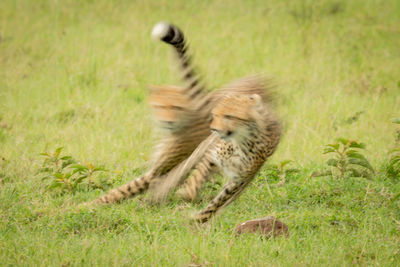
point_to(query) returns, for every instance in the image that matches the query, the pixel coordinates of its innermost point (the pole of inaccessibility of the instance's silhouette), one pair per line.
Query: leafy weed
(66, 174)
(347, 160)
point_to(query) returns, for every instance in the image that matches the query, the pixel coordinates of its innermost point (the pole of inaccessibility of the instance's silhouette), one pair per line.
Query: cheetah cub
(245, 133)
(182, 112)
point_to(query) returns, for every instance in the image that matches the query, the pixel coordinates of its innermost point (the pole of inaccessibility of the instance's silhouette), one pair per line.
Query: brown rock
(268, 226)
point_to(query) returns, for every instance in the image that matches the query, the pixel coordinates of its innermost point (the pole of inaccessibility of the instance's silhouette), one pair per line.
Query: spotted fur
(183, 113)
(245, 134)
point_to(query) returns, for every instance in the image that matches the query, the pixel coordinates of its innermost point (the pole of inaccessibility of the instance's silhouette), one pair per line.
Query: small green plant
(347, 160)
(53, 162)
(65, 174)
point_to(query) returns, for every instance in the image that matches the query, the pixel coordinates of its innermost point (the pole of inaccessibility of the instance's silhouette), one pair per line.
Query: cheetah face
(171, 107)
(233, 116)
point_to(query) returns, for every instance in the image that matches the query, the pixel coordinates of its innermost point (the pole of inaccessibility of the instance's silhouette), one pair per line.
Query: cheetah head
(234, 116)
(171, 107)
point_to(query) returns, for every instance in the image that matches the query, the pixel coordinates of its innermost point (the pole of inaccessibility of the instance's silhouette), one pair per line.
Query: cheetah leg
(229, 193)
(131, 189)
(197, 178)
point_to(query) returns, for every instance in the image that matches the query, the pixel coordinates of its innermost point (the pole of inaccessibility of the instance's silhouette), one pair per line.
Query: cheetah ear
(258, 105)
(256, 98)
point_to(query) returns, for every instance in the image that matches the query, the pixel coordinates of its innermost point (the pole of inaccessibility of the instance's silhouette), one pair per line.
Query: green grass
(75, 73)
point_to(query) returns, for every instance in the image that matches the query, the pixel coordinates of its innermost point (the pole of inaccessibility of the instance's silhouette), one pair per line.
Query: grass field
(74, 74)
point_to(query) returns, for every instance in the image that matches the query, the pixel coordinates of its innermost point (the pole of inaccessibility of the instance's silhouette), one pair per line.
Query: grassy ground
(74, 74)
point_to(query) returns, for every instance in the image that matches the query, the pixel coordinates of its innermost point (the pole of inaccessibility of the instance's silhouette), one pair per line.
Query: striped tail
(172, 35)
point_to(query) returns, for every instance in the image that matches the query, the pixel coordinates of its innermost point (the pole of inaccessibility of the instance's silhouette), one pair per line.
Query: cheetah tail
(172, 35)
